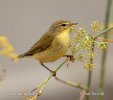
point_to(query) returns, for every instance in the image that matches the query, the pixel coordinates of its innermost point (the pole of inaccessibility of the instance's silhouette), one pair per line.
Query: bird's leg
(53, 72)
(70, 58)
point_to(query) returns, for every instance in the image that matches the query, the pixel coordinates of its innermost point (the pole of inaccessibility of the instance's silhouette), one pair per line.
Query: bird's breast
(58, 49)
(63, 39)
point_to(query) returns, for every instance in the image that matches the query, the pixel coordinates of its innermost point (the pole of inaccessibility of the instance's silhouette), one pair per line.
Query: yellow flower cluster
(91, 54)
(81, 33)
(6, 49)
(83, 44)
(96, 26)
(89, 66)
(80, 57)
(87, 42)
(102, 44)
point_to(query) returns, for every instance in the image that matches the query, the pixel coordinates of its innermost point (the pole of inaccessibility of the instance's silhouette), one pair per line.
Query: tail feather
(23, 55)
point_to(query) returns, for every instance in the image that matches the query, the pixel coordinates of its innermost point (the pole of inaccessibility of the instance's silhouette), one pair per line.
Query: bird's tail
(23, 55)
(18, 57)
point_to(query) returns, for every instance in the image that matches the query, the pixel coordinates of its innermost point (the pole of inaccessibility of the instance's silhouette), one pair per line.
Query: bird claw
(53, 73)
(69, 58)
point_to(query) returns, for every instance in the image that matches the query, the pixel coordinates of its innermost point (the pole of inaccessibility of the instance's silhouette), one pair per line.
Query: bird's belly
(52, 54)
(56, 51)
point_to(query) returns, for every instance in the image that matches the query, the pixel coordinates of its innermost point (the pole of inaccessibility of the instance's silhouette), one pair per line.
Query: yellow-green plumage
(57, 49)
(53, 44)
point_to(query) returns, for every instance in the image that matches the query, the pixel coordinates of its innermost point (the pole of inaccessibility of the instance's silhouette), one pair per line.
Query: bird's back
(44, 42)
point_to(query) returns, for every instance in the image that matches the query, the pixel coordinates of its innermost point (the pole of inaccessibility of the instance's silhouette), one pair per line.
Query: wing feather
(41, 45)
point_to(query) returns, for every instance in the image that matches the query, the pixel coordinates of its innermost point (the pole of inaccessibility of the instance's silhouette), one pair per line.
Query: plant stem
(76, 85)
(60, 65)
(104, 53)
(51, 75)
(42, 86)
(103, 32)
(89, 85)
(89, 77)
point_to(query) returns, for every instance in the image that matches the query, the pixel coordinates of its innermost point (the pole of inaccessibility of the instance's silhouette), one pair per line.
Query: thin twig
(42, 86)
(76, 85)
(103, 32)
(105, 40)
(82, 95)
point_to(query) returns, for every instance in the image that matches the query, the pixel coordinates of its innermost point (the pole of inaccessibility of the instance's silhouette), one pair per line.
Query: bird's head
(62, 25)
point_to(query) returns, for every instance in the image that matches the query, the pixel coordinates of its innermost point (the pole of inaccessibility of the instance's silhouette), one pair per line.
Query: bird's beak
(74, 23)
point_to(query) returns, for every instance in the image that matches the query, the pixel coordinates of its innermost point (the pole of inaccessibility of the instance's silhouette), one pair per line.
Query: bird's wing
(41, 45)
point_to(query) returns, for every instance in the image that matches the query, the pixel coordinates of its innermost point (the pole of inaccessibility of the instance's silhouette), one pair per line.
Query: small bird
(53, 44)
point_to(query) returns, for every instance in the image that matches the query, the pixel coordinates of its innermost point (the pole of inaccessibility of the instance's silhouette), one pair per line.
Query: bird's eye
(63, 25)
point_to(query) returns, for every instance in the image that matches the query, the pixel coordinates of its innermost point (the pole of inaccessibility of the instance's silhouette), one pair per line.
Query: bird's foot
(69, 58)
(53, 73)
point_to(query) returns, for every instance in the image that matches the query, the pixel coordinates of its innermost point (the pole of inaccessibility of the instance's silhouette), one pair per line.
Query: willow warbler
(53, 44)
